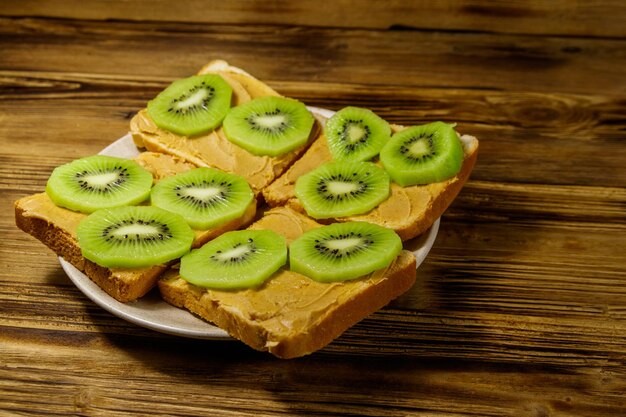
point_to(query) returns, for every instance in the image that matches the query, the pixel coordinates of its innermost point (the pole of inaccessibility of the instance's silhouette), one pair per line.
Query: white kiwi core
(143, 230)
(343, 244)
(355, 133)
(100, 180)
(271, 121)
(419, 147)
(233, 253)
(203, 194)
(193, 100)
(341, 187)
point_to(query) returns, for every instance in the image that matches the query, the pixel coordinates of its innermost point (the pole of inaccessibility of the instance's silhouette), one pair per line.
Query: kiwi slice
(356, 134)
(343, 251)
(338, 189)
(239, 259)
(423, 154)
(269, 125)
(133, 237)
(205, 197)
(193, 105)
(98, 181)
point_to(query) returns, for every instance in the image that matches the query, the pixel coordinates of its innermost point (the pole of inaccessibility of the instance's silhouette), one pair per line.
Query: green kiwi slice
(423, 154)
(192, 106)
(133, 237)
(239, 259)
(269, 125)
(356, 134)
(205, 197)
(343, 251)
(97, 182)
(338, 189)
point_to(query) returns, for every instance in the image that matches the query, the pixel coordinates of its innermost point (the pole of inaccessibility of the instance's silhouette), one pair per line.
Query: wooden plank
(497, 289)
(274, 53)
(190, 378)
(581, 18)
(518, 309)
(488, 333)
(526, 137)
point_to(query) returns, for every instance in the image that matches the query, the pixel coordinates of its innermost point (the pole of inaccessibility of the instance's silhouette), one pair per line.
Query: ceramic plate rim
(151, 311)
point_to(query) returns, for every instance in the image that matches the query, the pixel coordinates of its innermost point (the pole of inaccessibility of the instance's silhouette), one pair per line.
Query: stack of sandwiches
(244, 207)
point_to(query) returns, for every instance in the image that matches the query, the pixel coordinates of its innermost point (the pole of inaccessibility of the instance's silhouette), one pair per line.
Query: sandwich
(314, 245)
(212, 148)
(56, 226)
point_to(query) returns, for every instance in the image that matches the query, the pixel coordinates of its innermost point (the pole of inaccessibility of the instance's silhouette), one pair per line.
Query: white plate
(151, 311)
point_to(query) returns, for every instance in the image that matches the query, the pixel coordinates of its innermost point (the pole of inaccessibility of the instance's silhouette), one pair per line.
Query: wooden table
(520, 308)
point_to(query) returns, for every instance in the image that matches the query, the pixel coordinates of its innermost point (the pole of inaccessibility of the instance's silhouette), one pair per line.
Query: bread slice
(213, 149)
(410, 211)
(291, 315)
(56, 228)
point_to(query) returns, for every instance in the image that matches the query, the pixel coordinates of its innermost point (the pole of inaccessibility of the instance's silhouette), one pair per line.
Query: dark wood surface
(519, 309)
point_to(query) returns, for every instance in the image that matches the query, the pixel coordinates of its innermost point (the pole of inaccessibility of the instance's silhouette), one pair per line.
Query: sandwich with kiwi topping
(92, 184)
(158, 127)
(318, 265)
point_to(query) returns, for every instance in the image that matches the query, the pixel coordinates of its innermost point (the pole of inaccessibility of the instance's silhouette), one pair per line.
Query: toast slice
(410, 211)
(213, 149)
(56, 227)
(291, 315)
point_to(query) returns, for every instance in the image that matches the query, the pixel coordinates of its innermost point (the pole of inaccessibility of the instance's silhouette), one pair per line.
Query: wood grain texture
(583, 18)
(530, 137)
(446, 60)
(256, 385)
(518, 309)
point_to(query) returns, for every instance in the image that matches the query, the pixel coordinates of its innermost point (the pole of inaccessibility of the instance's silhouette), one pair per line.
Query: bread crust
(271, 317)
(56, 228)
(398, 279)
(441, 202)
(338, 317)
(431, 202)
(123, 285)
(213, 149)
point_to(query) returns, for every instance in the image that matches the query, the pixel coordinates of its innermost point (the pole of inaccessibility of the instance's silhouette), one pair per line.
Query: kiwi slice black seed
(343, 251)
(356, 134)
(133, 237)
(193, 105)
(98, 181)
(205, 197)
(423, 154)
(239, 259)
(269, 125)
(338, 189)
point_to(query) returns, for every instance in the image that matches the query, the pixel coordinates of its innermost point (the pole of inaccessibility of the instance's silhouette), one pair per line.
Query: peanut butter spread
(213, 149)
(160, 165)
(288, 300)
(253, 86)
(40, 206)
(399, 211)
(283, 189)
(407, 204)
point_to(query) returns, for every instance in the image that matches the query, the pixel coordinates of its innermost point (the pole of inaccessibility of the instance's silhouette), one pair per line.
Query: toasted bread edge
(64, 245)
(337, 319)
